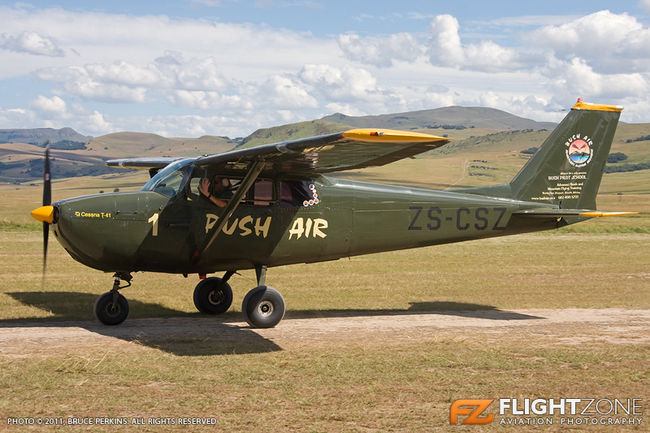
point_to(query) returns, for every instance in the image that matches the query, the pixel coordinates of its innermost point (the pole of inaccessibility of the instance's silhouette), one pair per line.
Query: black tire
(263, 307)
(212, 296)
(110, 314)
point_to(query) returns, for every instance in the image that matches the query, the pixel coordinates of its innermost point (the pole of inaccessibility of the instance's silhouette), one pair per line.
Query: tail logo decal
(579, 150)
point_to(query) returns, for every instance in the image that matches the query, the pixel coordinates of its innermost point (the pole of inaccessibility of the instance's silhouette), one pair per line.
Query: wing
(142, 163)
(353, 149)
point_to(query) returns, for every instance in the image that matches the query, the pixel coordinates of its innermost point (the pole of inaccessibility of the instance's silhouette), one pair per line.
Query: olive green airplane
(276, 204)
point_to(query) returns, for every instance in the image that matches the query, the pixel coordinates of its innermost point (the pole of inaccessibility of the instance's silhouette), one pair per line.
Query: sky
(188, 68)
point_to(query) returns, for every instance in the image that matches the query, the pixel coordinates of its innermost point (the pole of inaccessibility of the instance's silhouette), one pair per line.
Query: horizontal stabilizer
(568, 213)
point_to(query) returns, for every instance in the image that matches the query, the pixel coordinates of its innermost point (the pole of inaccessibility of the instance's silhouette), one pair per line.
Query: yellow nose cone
(44, 214)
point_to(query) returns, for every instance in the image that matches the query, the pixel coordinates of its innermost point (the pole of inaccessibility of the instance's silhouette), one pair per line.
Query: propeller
(45, 213)
(47, 200)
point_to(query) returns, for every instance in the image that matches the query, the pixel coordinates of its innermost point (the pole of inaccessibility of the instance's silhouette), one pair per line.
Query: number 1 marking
(154, 220)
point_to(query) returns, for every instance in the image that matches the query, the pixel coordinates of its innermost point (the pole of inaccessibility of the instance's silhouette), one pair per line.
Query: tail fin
(568, 167)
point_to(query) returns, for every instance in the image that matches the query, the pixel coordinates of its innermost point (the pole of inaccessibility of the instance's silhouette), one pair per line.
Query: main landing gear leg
(112, 308)
(213, 295)
(263, 307)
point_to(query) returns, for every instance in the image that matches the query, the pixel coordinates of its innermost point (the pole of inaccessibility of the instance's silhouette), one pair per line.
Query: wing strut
(246, 184)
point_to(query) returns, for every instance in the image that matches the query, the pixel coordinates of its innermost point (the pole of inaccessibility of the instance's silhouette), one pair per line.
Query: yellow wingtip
(43, 214)
(391, 136)
(594, 214)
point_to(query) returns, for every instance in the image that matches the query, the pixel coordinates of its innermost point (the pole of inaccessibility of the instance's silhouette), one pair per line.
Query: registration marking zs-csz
(463, 218)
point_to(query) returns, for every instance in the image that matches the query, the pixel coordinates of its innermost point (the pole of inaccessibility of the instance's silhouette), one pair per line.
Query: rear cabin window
(294, 192)
(263, 193)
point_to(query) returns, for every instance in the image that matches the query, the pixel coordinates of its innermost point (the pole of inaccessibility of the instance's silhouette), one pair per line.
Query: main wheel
(109, 313)
(212, 296)
(263, 307)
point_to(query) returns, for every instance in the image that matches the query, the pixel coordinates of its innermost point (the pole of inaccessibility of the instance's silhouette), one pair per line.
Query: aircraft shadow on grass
(161, 327)
(168, 330)
(460, 309)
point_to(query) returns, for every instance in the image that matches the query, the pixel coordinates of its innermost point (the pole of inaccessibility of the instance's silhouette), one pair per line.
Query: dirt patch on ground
(566, 326)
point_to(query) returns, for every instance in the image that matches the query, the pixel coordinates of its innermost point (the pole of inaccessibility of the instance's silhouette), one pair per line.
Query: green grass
(10, 226)
(374, 386)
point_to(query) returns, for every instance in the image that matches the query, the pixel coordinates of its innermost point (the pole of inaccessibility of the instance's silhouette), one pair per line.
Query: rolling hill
(291, 132)
(22, 162)
(40, 136)
(486, 144)
(445, 118)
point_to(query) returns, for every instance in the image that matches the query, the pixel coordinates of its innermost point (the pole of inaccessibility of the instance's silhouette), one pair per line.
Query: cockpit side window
(211, 186)
(171, 180)
(182, 181)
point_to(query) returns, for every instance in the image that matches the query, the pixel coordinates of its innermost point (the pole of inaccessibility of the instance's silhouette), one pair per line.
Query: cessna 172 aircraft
(276, 204)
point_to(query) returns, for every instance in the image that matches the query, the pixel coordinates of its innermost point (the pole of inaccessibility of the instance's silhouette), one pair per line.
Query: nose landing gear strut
(112, 308)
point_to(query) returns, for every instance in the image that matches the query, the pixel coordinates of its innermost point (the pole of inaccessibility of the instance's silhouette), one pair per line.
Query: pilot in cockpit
(218, 191)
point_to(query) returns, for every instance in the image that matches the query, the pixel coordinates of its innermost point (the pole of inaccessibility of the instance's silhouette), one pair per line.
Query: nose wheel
(112, 308)
(213, 295)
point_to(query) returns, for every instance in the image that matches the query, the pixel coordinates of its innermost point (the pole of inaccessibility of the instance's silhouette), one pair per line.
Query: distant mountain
(136, 144)
(445, 118)
(21, 162)
(38, 136)
(291, 131)
(439, 119)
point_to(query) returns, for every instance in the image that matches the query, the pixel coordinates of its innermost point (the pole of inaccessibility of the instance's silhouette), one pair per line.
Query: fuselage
(151, 231)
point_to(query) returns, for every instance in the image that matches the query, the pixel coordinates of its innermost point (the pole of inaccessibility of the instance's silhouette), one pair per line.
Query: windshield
(170, 180)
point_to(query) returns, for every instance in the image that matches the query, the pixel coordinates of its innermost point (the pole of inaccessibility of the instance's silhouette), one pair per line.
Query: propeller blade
(47, 184)
(46, 233)
(47, 200)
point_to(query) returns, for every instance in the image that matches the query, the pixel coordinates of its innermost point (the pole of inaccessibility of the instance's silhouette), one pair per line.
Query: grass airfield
(335, 363)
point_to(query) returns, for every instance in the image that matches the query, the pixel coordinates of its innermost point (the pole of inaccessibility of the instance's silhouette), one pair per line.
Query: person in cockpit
(218, 191)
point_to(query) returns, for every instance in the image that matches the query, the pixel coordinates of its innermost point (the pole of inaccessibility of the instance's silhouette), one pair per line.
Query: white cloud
(347, 109)
(446, 49)
(123, 73)
(576, 78)
(488, 56)
(203, 100)
(243, 51)
(339, 84)
(121, 81)
(17, 118)
(53, 105)
(611, 42)
(54, 112)
(30, 43)
(380, 51)
(84, 81)
(286, 92)
(97, 124)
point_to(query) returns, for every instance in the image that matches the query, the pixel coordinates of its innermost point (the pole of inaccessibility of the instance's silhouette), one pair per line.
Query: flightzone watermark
(552, 411)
